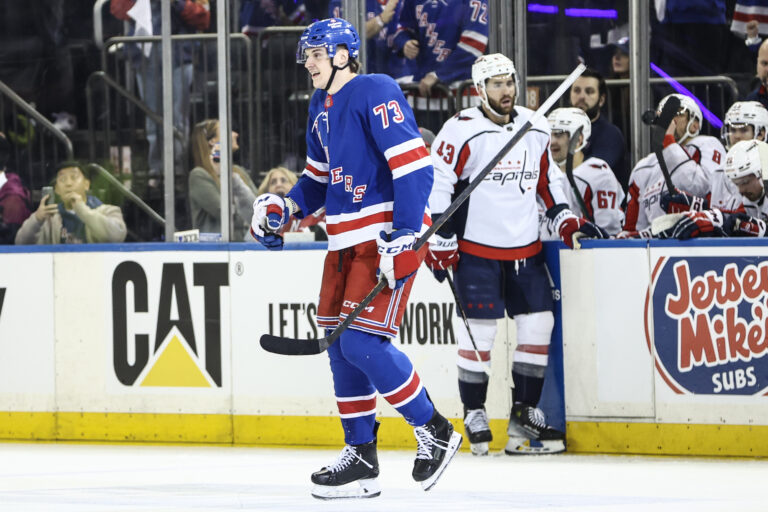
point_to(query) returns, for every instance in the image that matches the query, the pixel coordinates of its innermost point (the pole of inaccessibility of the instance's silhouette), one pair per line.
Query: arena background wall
(159, 343)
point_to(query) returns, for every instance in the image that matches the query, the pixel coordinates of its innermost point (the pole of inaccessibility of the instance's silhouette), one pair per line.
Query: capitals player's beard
(501, 107)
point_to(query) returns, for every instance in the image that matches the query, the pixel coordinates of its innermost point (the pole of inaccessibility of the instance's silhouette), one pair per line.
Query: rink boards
(159, 343)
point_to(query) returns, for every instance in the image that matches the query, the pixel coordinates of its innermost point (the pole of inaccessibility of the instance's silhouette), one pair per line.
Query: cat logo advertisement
(183, 346)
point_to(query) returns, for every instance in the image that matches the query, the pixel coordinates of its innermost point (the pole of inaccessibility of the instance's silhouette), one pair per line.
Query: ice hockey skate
(529, 433)
(437, 444)
(353, 475)
(477, 430)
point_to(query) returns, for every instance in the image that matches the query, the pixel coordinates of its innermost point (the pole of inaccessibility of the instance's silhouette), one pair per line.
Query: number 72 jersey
(500, 219)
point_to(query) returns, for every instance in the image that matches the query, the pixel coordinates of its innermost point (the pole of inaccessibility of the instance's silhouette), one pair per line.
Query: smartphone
(51, 196)
(216, 153)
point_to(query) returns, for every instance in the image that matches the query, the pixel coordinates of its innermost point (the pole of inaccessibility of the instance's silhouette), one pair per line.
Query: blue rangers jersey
(380, 54)
(451, 35)
(366, 163)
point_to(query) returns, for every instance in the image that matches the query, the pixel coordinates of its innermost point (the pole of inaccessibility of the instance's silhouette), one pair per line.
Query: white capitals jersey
(646, 183)
(759, 209)
(500, 218)
(709, 153)
(601, 192)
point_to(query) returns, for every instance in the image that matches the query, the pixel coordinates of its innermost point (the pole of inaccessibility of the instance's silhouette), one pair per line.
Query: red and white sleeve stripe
(317, 171)
(473, 42)
(407, 157)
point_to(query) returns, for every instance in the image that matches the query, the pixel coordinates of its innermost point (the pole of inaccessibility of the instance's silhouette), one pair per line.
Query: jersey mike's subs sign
(706, 323)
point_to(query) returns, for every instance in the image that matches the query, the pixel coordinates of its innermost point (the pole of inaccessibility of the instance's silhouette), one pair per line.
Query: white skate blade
(365, 488)
(524, 446)
(479, 449)
(454, 443)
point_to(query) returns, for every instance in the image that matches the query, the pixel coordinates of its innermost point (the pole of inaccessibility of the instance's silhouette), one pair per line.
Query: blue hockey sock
(355, 398)
(390, 371)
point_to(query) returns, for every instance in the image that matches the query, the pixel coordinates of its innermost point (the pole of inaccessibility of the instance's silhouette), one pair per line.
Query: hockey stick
(569, 173)
(294, 347)
(658, 130)
(486, 367)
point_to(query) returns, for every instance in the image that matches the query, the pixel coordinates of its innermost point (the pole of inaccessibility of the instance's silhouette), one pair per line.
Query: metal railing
(203, 104)
(36, 145)
(122, 189)
(283, 91)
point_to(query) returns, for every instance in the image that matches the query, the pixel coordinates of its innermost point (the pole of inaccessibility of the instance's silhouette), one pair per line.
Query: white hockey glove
(270, 213)
(398, 261)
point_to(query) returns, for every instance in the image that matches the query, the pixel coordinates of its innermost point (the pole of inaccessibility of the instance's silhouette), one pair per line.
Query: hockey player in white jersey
(597, 186)
(746, 166)
(492, 242)
(691, 159)
(745, 120)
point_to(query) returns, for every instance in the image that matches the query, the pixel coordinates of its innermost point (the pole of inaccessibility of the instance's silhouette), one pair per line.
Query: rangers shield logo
(706, 324)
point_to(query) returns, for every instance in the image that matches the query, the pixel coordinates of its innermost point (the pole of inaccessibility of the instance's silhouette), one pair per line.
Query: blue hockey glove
(397, 259)
(680, 202)
(741, 224)
(270, 213)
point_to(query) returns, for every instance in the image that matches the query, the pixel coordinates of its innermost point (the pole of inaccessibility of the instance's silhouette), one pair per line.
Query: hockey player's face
(559, 145)
(739, 132)
(750, 187)
(501, 94)
(318, 65)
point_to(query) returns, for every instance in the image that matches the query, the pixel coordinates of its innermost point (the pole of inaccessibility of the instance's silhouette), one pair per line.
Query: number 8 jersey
(366, 163)
(500, 219)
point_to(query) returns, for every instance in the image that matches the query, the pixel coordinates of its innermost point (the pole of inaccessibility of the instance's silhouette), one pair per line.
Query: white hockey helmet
(745, 158)
(569, 119)
(686, 105)
(745, 113)
(488, 66)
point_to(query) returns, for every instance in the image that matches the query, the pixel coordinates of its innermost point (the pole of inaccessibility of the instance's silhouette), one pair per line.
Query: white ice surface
(87, 478)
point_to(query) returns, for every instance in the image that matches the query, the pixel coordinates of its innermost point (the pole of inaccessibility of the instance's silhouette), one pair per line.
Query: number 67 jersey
(500, 219)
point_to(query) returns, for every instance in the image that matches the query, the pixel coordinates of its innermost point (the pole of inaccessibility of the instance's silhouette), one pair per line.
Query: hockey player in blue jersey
(444, 37)
(492, 242)
(367, 164)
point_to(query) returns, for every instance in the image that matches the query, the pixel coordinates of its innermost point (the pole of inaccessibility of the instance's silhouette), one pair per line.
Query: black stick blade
(292, 347)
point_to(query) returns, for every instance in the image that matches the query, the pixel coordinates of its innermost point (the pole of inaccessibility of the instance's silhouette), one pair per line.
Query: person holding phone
(205, 183)
(14, 198)
(78, 218)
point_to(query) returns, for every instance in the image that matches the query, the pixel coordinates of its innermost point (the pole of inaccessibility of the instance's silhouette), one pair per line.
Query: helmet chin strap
(335, 68)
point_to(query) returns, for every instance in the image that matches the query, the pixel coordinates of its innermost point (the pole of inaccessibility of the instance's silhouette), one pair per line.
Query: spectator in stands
(187, 17)
(761, 93)
(619, 97)
(14, 198)
(383, 17)
(256, 15)
(589, 93)
(78, 218)
(444, 39)
(205, 184)
(428, 136)
(280, 180)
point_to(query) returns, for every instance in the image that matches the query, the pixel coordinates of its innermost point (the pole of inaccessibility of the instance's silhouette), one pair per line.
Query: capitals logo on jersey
(320, 127)
(708, 317)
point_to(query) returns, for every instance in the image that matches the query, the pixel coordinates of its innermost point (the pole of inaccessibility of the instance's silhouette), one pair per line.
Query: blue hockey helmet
(329, 34)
